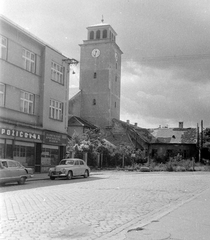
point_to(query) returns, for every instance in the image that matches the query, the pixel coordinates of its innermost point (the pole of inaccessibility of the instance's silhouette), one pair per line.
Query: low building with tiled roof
(170, 142)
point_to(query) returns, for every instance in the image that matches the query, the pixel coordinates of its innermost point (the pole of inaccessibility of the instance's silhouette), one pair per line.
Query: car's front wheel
(52, 178)
(22, 181)
(86, 174)
(69, 175)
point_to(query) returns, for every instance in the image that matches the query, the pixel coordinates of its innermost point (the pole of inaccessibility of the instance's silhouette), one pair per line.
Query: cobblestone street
(103, 208)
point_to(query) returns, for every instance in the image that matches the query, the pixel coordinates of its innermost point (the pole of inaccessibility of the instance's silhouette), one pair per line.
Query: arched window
(98, 34)
(104, 33)
(94, 101)
(91, 35)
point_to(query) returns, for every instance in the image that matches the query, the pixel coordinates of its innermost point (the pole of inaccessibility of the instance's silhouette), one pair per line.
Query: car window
(19, 165)
(62, 162)
(76, 162)
(82, 163)
(12, 164)
(70, 162)
(4, 163)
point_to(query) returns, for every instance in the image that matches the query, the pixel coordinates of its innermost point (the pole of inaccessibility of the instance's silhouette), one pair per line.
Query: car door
(14, 171)
(4, 172)
(82, 167)
(76, 168)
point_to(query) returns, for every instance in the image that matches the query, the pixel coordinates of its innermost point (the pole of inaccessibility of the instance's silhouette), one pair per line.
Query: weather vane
(102, 20)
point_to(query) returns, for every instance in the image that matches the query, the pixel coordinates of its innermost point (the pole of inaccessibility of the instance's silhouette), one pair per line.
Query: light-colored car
(13, 171)
(69, 168)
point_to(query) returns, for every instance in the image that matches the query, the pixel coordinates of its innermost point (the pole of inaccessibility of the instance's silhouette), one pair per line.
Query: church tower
(100, 76)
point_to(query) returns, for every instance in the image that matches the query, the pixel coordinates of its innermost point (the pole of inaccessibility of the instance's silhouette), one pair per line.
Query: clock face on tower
(95, 53)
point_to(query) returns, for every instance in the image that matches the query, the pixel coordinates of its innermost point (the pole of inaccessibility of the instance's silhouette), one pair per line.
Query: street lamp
(71, 61)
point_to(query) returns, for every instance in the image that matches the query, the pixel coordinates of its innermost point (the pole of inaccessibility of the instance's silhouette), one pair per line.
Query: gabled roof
(124, 133)
(79, 122)
(174, 135)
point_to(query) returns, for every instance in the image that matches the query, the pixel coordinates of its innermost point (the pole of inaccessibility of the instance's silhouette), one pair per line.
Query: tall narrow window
(91, 35)
(94, 75)
(98, 34)
(94, 102)
(104, 33)
(2, 94)
(57, 73)
(115, 78)
(3, 49)
(115, 104)
(56, 110)
(27, 102)
(29, 61)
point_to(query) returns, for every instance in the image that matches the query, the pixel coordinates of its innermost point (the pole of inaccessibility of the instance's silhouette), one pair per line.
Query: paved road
(105, 206)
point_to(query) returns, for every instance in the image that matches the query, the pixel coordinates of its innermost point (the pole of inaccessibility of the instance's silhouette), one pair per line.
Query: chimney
(128, 122)
(136, 125)
(181, 124)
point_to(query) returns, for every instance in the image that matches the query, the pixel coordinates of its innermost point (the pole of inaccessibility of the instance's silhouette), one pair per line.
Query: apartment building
(34, 90)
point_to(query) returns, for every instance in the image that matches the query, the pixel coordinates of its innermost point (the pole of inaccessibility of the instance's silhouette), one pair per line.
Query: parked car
(69, 168)
(13, 171)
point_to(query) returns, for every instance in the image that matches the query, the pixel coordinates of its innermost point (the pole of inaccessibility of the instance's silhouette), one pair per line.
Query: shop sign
(20, 134)
(55, 138)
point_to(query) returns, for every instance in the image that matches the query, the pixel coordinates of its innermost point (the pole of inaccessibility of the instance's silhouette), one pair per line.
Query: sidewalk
(189, 221)
(39, 176)
(44, 176)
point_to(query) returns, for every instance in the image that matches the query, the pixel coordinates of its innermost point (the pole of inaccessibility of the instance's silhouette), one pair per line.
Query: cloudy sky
(166, 46)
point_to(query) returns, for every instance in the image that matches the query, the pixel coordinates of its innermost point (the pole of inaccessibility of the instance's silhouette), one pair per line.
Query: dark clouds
(165, 65)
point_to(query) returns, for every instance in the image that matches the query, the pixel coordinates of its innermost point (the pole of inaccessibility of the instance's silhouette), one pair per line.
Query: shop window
(24, 154)
(56, 110)
(9, 151)
(2, 150)
(3, 48)
(2, 94)
(98, 34)
(28, 61)
(57, 73)
(27, 102)
(92, 35)
(104, 33)
(49, 156)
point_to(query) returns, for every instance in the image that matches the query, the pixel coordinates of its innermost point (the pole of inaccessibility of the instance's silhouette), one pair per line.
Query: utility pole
(201, 144)
(198, 143)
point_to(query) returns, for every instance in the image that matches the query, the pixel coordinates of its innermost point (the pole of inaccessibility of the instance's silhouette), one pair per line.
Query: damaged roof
(174, 135)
